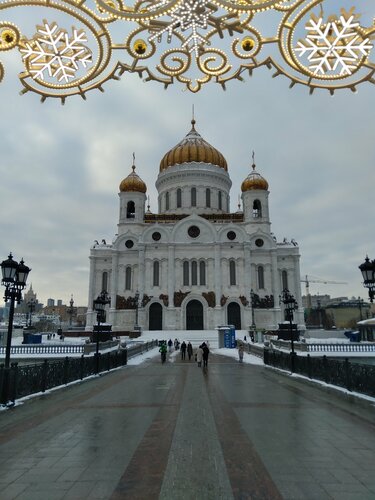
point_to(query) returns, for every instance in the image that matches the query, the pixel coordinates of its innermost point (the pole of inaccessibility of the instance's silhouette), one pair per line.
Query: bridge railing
(326, 347)
(351, 376)
(24, 380)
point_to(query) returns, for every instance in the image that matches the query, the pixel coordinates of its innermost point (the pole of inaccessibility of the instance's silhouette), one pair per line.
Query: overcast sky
(61, 167)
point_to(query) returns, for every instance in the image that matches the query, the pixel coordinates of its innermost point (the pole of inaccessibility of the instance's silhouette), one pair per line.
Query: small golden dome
(133, 183)
(193, 148)
(254, 181)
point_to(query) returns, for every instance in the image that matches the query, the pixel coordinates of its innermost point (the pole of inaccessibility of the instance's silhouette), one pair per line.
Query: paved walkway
(175, 432)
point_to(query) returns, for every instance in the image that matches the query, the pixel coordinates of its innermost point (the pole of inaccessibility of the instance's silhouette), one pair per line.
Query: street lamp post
(253, 326)
(99, 306)
(291, 305)
(31, 306)
(70, 310)
(360, 304)
(368, 273)
(14, 277)
(136, 302)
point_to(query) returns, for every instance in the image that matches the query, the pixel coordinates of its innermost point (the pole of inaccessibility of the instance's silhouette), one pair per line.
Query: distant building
(59, 302)
(50, 302)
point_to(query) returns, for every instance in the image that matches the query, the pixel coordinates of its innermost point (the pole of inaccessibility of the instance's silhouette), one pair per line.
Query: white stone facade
(194, 264)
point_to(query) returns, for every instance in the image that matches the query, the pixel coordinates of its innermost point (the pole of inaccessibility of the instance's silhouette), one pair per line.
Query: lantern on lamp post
(291, 305)
(368, 273)
(99, 306)
(14, 277)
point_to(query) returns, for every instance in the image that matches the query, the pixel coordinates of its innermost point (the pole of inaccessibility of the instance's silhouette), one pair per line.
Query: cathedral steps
(196, 337)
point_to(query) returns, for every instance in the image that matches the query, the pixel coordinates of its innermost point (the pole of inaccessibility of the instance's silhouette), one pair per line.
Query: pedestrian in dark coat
(183, 350)
(189, 350)
(206, 352)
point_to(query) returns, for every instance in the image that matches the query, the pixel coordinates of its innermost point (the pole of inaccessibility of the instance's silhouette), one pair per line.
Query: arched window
(208, 198)
(194, 273)
(105, 281)
(193, 197)
(179, 200)
(186, 274)
(284, 280)
(167, 201)
(232, 272)
(257, 209)
(156, 273)
(130, 210)
(220, 200)
(128, 278)
(202, 272)
(260, 277)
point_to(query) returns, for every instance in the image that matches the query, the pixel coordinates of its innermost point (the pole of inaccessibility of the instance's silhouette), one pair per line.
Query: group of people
(201, 353)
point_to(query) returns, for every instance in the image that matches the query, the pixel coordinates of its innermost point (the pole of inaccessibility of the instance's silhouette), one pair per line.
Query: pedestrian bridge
(175, 431)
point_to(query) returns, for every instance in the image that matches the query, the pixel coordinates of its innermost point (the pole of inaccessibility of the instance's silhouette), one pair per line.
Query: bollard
(82, 360)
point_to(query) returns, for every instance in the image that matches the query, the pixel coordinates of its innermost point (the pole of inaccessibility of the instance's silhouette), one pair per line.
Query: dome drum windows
(179, 198)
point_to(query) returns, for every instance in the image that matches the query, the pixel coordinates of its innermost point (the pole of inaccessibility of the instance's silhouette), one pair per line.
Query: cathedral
(194, 265)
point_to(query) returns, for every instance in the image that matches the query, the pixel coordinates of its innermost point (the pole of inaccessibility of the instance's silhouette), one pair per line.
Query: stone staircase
(196, 337)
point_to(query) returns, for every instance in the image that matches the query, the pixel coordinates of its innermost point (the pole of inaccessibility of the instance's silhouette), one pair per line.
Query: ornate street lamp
(99, 306)
(136, 302)
(14, 277)
(253, 326)
(291, 305)
(70, 310)
(31, 305)
(368, 273)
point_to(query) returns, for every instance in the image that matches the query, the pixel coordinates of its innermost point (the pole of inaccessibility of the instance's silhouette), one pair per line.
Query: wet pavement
(174, 431)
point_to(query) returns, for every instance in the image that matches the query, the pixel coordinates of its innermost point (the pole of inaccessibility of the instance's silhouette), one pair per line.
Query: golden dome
(254, 181)
(133, 183)
(193, 148)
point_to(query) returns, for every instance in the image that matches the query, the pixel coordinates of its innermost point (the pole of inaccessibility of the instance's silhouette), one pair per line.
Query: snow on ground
(249, 359)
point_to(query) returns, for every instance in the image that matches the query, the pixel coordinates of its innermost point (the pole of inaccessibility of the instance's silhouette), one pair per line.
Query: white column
(91, 283)
(275, 278)
(141, 271)
(114, 279)
(218, 275)
(171, 274)
(247, 281)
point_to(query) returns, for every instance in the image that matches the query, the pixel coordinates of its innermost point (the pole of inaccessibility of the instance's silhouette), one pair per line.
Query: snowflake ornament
(56, 54)
(191, 15)
(336, 46)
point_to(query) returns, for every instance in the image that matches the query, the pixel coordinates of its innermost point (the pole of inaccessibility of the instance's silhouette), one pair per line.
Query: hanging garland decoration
(188, 42)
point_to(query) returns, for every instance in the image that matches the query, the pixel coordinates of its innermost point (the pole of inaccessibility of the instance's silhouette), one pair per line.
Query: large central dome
(193, 148)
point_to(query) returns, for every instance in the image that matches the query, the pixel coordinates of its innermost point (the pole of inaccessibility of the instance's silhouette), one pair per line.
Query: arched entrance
(194, 315)
(234, 315)
(155, 317)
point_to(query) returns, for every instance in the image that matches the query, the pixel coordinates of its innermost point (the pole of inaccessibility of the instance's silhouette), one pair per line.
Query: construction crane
(309, 280)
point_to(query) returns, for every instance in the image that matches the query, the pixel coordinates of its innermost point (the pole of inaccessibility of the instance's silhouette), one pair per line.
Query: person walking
(183, 350)
(163, 351)
(240, 351)
(189, 350)
(199, 355)
(206, 352)
(170, 344)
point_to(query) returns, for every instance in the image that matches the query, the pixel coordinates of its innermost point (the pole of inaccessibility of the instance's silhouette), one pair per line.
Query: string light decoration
(186, 42)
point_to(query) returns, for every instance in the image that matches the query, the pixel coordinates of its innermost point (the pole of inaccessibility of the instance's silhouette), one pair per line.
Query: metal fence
(30, 379)
(351, 376)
